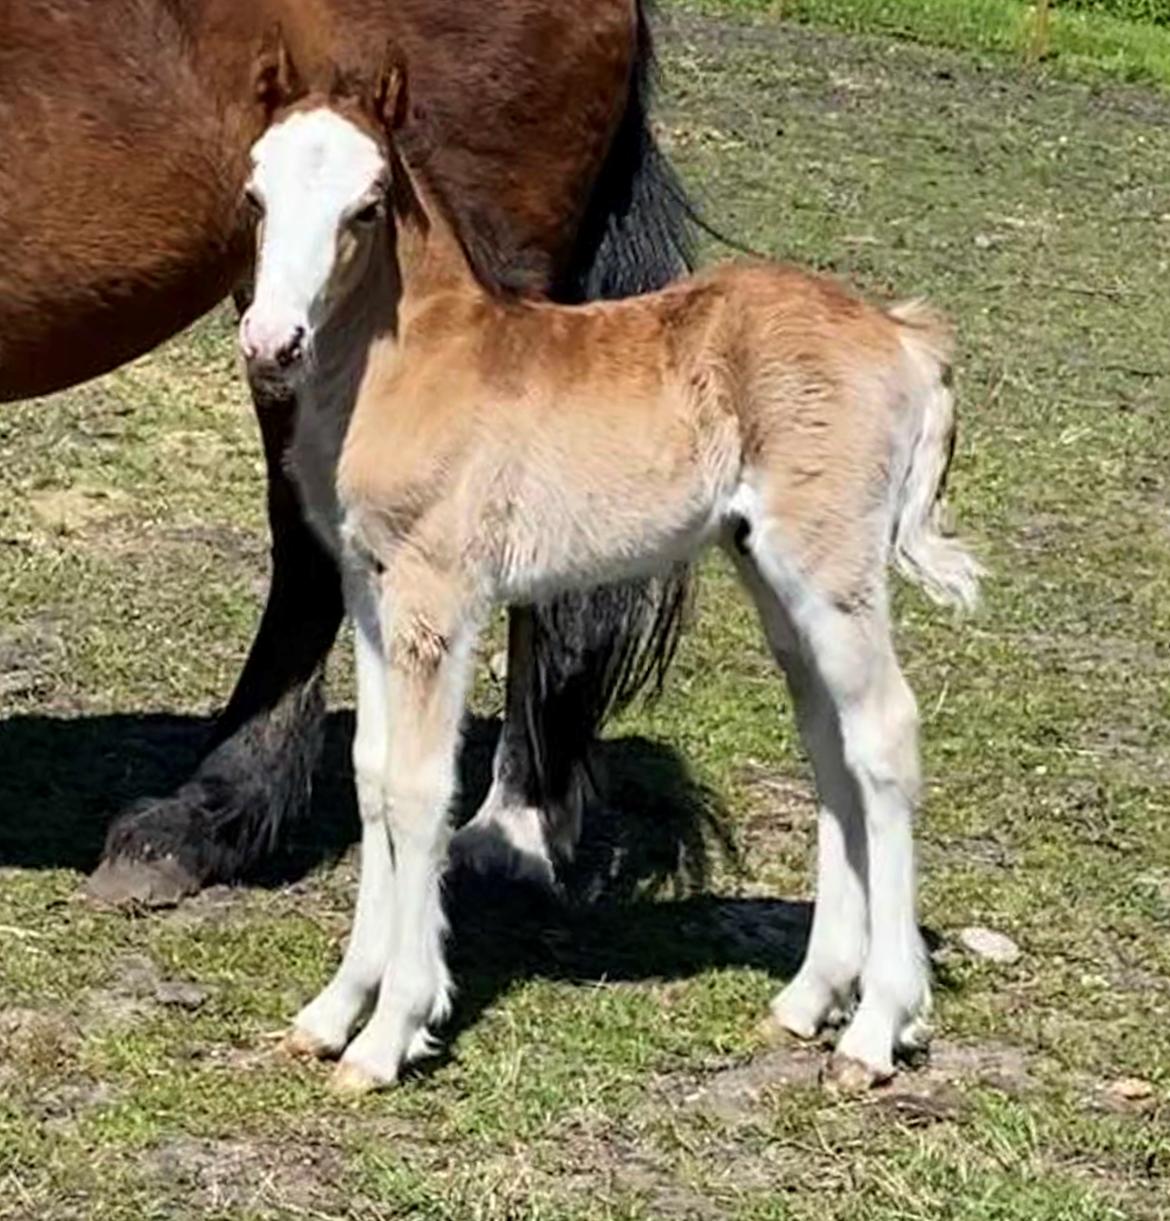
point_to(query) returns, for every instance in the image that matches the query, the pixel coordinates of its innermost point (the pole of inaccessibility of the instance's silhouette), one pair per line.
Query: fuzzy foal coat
(529, 447)
(503, 450)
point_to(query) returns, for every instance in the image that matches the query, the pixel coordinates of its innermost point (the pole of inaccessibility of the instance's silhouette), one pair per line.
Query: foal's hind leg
(877, 721)
(831, 969)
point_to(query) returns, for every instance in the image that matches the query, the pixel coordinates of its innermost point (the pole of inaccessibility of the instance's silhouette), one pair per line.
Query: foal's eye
(367, 215)
(254, 202)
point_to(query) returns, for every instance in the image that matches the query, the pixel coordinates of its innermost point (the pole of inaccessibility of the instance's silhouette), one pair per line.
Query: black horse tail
(594, 654)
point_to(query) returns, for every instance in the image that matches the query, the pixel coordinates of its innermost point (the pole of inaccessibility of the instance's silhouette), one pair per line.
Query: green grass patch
(1118, 41)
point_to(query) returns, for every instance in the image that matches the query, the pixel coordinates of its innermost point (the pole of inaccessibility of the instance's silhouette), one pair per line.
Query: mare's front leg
(571, 662)
(513, 833)
(255, 778)
(429, 643)
(326, 1024)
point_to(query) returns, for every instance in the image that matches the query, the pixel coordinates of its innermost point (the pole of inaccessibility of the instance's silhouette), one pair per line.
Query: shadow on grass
(500, 938)
(652, 834)
(65, 779)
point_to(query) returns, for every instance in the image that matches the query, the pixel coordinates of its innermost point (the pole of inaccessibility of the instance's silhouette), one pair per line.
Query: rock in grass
(989, 945)
(180, 993)
(1127, 1096)
(1130, 1089)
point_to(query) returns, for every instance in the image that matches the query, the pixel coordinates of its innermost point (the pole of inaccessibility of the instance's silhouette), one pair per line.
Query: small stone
(181, 994)
(1130, 1089)
(498, 665)
(983, 242)
(989, 945)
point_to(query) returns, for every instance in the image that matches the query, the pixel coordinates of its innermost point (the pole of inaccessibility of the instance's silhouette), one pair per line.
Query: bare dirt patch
(137, 988)
(927, 1094)
(36, 1041)
(76, 510)
(246, 1174)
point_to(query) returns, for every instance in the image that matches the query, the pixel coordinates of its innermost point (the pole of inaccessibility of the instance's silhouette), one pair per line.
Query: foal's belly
(582, 549)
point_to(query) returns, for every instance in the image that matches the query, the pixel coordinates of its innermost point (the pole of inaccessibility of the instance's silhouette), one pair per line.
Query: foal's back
(563, 445)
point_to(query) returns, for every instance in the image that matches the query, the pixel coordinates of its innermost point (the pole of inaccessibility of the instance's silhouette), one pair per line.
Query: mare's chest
(312, 459)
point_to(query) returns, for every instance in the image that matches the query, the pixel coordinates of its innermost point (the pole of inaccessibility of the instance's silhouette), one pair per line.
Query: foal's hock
(500, 450)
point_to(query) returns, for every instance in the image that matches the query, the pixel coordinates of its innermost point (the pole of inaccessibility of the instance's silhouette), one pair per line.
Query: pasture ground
(605, 1061)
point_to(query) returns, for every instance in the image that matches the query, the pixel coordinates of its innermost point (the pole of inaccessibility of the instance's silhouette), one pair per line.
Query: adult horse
(126, 130)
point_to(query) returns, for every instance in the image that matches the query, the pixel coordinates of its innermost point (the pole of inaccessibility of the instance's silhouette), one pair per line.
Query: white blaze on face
(312, 173)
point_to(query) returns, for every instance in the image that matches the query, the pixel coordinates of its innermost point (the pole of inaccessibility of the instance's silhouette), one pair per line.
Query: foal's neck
(431, 258)
(364, 316)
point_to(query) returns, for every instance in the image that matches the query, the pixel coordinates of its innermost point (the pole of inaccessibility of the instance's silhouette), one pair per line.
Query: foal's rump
(848, 418)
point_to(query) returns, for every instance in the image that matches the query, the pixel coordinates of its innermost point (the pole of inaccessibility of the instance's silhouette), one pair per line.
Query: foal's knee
(418, 801)
(880, 732)
(369, 778)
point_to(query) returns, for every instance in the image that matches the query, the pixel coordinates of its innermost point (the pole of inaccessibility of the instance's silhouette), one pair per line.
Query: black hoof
(158, 852)
(486, 851)
(128, 883)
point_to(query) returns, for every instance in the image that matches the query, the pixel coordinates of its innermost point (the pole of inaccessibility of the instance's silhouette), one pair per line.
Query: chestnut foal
(496, 450)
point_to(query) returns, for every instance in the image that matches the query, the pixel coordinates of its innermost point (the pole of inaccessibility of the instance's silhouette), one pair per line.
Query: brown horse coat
(127, 124)
(126, 128)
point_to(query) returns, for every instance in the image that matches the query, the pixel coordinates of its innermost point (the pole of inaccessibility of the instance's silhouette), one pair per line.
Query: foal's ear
(274, 77)
(390, 96)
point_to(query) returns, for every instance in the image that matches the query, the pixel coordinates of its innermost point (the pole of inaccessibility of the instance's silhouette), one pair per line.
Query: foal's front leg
(429, 662)
(326, 1024)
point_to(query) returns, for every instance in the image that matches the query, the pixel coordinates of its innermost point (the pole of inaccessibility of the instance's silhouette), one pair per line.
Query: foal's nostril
(293, 350)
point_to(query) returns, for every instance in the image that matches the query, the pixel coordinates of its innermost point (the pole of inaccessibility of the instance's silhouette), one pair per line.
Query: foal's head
(319, 189)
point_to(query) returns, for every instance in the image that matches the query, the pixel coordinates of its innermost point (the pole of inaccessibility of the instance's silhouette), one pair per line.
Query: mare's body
(126, 130)
(493, 449)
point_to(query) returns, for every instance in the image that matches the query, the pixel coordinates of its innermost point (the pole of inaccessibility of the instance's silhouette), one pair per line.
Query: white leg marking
(326, 1024)
(881, 745)
(879, 731)
(865, 747)
(832, 965)
(420, 785)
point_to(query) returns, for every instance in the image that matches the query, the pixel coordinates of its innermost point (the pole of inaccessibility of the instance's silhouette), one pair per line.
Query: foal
(495, 450)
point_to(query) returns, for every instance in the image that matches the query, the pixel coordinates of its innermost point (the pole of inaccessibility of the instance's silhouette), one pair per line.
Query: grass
(1086, 41)
(605, 1062)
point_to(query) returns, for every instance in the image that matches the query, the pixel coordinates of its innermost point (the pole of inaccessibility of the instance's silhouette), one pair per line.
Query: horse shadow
(650, 825)
(636, 903)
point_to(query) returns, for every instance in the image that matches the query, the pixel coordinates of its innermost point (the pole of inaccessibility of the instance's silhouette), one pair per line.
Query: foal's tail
(923, 552)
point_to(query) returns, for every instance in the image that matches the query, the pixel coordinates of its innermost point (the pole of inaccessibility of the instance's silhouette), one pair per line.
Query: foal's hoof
(127, 882)
(352, 1081)
(302, 1045)
(914, 1039)
(776, 1032)
(848, 1077)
